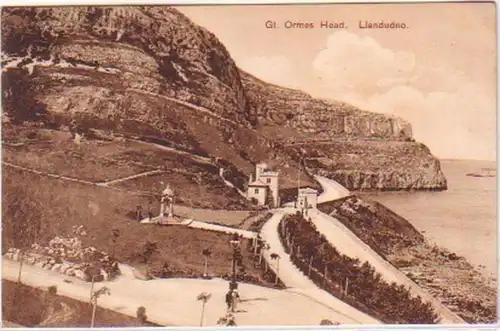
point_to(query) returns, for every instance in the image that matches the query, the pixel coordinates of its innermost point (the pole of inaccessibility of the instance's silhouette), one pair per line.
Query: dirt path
(172, 149)
(119, 180)
(49, 174)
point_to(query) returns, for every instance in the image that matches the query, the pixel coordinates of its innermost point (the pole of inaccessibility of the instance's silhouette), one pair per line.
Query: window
(268, 180)
(256, 191)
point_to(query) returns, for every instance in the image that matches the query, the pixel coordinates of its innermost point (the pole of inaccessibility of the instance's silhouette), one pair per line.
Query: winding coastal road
(348, 244)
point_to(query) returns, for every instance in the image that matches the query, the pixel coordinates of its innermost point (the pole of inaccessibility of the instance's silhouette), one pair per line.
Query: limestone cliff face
(368, 165)
(151, 72)
(275, 106)
(359, 149)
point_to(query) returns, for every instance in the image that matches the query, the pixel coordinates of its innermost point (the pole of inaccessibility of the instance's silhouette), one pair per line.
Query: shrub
(328, 322)
(52, 289)
(367, 291)
(141, 314)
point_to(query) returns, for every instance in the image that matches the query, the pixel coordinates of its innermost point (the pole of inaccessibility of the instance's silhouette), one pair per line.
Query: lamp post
(235, 244)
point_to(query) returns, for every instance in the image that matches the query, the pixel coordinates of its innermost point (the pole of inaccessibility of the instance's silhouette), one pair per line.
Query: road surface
(173, 301)
(331, 190)
(347, 243)
(294, 278)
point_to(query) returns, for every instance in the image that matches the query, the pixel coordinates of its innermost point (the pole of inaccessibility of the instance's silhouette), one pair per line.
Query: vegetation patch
(36, 307)
(357, 284)
(379, 227)
(256, 222)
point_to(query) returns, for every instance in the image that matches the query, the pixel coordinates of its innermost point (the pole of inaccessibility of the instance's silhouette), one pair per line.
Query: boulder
(36, 256)
(57, 267)
(64, 268)
(39, 264)
(138, 274)
(80, 274)
(15, 256)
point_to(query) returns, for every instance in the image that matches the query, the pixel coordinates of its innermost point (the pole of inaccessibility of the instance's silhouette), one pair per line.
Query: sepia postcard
(249, 165)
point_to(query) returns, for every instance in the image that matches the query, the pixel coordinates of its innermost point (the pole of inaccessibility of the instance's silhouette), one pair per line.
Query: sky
(439, 73)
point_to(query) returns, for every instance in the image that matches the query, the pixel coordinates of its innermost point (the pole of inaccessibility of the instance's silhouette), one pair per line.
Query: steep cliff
(149, 72)
(359, 149)
(369, 165)
(305, 117)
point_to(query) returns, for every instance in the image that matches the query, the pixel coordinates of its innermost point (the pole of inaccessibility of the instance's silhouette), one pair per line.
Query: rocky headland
(150, 72)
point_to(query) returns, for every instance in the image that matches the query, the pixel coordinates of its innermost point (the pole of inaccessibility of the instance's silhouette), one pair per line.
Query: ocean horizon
(461, 219)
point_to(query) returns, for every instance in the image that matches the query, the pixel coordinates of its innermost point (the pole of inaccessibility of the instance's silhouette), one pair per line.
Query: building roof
(257, 183)
(268, 173)
(308, 190)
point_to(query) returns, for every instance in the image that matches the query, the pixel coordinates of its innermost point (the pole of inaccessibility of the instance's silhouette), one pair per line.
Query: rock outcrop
(368, 165)
(359, 149)
(305, 116)
(151, 72)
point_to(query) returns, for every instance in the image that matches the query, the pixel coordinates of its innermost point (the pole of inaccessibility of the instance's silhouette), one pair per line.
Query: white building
(265, 186)
(307, 200)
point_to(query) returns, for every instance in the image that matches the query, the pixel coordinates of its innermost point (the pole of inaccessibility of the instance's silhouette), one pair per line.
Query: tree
(102, 291)
(203, 297)
(199, 180)
(115, 234)
(141, 314)
(206, 254)
(149, 249)
(93, 272)
(276, 257)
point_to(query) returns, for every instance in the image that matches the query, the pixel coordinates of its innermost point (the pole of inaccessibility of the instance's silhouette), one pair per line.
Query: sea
(462, 219)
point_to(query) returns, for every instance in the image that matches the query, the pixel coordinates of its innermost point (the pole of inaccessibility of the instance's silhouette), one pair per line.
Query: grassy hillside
(383, 230)
(34, 307)
(58, 205)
